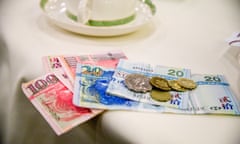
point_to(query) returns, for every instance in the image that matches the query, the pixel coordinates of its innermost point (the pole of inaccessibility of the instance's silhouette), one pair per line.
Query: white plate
(55, 11)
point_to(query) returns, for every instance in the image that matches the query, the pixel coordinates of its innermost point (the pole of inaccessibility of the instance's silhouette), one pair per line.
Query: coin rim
(180, 89)
(163, 79)
(160, 100)
(192, 86)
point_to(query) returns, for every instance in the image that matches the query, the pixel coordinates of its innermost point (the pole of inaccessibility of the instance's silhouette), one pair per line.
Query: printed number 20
(173, 72)
(212, 79)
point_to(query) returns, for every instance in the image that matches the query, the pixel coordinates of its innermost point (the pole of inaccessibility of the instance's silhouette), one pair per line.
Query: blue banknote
(90, 88)
(213, 95)
(179, 100)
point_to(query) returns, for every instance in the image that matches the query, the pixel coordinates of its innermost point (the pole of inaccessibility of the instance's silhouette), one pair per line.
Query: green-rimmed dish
(57, 13)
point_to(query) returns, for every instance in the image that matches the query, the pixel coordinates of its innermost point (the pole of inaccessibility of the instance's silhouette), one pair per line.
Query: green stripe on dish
(43, 3)
(71, 16)
(112, 22)
(151, 6)
(103, 22)
(122, 21)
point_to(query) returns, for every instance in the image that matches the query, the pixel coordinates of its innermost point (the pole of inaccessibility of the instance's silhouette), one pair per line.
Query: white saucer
(55, 11)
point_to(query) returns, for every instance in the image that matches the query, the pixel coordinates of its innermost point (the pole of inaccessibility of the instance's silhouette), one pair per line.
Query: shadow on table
(27, 126)
(5, 84)
(109, 136)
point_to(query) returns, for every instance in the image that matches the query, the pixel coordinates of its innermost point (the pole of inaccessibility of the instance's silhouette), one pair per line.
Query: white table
(184, 33)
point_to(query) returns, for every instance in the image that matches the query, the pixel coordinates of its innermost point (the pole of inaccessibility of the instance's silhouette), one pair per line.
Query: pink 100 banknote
(54, 101)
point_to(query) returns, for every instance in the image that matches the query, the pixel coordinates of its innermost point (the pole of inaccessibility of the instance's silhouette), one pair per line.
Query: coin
(175, 86)
(160, 83)
(186, 83)
(158, 95)
(138, 83)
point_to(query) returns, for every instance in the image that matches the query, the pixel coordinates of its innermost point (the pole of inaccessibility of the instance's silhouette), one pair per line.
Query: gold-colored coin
(175, 86)
(160, 83)
(158, 95)
(187, 83)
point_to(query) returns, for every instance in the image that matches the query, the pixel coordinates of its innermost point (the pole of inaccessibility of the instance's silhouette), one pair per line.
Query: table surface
(183, 33)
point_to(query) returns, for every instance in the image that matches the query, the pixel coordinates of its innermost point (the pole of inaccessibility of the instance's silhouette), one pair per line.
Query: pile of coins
(158, 87)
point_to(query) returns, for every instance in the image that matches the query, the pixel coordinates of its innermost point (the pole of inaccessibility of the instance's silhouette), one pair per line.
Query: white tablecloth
(184, 33)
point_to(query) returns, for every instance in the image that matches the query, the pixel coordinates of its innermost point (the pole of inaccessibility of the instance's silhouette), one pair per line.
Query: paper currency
(213, 95)
(117, 87)
(107, 59)
(53, 64)
(54, 101)
(90, 91)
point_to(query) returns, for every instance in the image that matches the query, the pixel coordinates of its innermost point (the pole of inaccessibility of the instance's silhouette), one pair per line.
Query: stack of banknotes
(77, 88)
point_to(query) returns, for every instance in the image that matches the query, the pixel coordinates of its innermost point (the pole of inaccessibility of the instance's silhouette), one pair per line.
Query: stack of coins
(158, 87)
(163, 86)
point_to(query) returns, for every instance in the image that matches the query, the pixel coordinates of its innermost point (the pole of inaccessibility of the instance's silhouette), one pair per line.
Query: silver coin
(138, 83)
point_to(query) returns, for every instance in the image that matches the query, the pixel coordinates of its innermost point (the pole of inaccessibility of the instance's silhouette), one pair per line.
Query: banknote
(213, 95)
(117, 87)
(53, 64)
(107, 59)
(90, 91)
(61, 74)
(54, 101)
